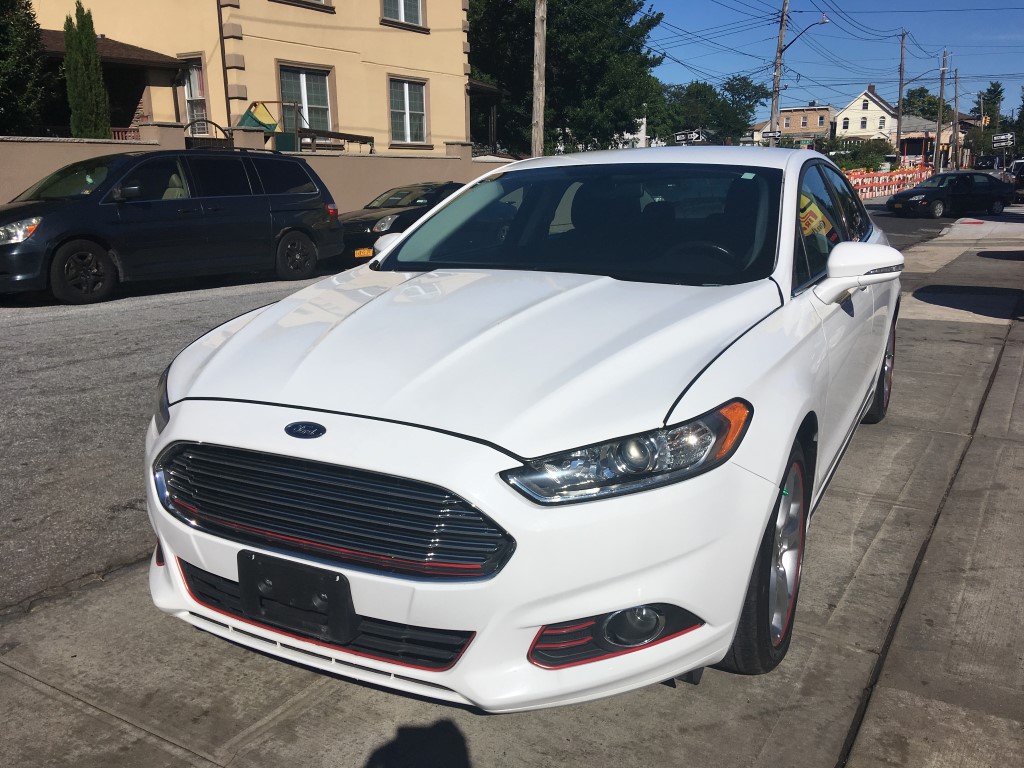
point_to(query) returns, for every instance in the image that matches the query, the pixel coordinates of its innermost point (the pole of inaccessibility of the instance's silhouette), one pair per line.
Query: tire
(296, 256)
(766, 619)
(82, 272)
(883, 387)
(937, 209)
(996, 207)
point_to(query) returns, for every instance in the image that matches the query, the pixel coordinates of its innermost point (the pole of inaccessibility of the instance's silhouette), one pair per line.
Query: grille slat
(338, 513)
(435, 649)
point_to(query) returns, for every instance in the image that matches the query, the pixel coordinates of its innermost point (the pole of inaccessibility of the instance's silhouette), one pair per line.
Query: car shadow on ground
(177, 285)
(440, 745)
(1002, 255)
(997, 303)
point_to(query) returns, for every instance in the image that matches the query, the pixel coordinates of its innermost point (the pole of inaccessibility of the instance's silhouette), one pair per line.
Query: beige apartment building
(806, 124)
(393, 70)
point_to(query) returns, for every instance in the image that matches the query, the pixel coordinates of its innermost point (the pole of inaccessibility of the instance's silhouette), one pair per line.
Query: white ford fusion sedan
(560, 439)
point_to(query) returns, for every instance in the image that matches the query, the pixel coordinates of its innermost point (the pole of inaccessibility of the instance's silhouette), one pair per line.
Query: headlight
(385, 224)
(915, 198)
(19, 231)
(634, 463)
(162, 414)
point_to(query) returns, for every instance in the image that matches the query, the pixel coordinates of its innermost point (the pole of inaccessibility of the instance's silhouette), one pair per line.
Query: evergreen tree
(22, 78)
(87, 96)
(597, 76)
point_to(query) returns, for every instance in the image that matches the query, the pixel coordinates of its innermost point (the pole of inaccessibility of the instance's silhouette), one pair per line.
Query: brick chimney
(871, 88)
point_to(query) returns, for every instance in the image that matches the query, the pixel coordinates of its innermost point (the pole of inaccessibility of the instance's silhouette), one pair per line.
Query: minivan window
(74, 180)
(157, 179)
(220, 176)
(283, 177)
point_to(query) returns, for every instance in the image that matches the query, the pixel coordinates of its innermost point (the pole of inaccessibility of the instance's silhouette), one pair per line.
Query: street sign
(771, 134)
(1003, 140)
(684, 136)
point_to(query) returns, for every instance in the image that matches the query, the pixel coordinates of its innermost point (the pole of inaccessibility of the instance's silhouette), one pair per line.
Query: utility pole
(777, 77)
(540, 29)
(956, 119)
(899, 103)
(937, 161)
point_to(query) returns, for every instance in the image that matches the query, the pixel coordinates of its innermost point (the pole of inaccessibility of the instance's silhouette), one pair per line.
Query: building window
(304, 92)
(408, 112)
(785, 122)
(864, 104)
(195, 98)
(803, 121)
(881, 122)
(863, 123)
(406, 11)
(821, 121)
(846, 123)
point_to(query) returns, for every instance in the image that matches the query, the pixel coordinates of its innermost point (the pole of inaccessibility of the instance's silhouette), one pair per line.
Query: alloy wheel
(787, 554)
(888, 365)
(297, 255)
(85, 272)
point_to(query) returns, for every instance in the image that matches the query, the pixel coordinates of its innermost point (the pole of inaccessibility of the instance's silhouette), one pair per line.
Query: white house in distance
(868, 116)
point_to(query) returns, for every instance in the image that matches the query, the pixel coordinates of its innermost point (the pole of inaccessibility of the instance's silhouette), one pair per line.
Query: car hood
(28, 208)
(532, 362)
(907, 193)
(371, 215)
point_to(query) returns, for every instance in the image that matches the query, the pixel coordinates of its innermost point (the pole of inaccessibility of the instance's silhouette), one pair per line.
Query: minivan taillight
(332, 210)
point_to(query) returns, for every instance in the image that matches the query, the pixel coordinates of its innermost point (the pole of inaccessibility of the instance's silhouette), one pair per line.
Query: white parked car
(560, 439)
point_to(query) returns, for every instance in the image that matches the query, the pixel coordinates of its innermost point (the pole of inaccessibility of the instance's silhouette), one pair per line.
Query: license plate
(364, 253)
(297, 597)
(897, 205)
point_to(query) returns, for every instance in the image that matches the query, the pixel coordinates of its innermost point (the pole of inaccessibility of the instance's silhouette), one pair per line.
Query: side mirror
(381, 247)
(855, 265)
(126, 192)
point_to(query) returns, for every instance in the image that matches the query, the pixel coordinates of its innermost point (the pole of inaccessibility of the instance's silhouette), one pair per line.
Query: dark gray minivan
(142, 216)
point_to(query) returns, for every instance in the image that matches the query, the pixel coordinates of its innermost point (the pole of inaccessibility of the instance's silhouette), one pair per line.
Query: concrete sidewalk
(907, 650)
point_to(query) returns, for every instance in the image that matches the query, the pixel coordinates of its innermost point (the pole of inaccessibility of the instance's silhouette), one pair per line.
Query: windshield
(937, 182)
(73, 180)
(405, 197)
(669, 223)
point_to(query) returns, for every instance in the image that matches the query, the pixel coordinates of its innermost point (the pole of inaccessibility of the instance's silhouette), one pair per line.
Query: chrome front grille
(337, 514)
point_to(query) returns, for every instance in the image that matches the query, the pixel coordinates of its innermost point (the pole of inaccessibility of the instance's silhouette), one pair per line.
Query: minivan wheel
(82, 272)
(296, 257)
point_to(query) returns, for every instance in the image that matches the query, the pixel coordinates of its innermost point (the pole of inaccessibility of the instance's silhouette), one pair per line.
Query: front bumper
(691, 545)
(23, 266)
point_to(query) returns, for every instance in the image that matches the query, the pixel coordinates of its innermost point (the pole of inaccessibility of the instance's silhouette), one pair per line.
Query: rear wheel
(937, 209)
(82, 272)
(296, 257)
(996, 207)
(766, 620)
(883, 389)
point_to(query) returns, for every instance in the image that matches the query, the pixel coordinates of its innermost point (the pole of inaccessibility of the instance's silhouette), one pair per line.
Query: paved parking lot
(907, 649)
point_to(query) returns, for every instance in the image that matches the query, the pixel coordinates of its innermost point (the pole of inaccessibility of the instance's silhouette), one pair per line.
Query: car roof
(758, 157)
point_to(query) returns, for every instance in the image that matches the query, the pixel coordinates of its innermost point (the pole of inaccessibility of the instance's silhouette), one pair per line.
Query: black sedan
(948, 193)
(393, 211)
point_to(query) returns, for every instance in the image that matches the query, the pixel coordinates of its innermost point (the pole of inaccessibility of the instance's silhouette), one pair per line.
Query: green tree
(990, 103)
(922, 103)
(726, 112)
(22, 78)
(87, 96)
(598, 77)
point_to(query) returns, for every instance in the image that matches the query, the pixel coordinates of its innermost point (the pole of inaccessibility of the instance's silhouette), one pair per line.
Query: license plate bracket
(296, 597)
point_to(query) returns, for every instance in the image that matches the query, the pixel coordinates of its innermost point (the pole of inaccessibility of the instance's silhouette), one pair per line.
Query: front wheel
(766, 620)
(296, 257)
(883, 388)
(937, 209)
(82, 272)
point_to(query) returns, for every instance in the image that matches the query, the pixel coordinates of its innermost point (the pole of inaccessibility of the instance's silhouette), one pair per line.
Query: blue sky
(832, 63)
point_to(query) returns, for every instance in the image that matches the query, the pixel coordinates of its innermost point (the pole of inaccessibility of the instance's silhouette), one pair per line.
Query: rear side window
(857, 220)
(283, 177)
(220, 176)
(158, 179)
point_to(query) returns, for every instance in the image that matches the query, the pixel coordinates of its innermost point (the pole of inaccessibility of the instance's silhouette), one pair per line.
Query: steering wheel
(713, 249)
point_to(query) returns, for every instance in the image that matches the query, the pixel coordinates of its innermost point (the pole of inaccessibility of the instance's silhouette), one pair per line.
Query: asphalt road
(78, 388)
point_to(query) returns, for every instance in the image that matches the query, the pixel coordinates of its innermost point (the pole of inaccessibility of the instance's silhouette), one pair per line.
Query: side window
(819, 221)
(801, 272)
(981, 180)
(157, 179)
(857, 221)
(220, 176)
(283, 177)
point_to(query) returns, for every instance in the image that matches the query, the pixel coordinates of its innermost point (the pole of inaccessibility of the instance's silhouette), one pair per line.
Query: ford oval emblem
(305, 430)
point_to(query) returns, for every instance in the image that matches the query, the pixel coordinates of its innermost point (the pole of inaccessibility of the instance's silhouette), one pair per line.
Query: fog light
(633, 626)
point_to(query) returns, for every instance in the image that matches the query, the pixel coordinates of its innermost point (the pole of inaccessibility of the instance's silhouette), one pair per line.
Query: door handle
(213, 209)
(188, 210)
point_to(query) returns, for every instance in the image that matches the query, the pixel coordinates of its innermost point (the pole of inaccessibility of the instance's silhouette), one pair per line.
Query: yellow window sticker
(812, 220)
